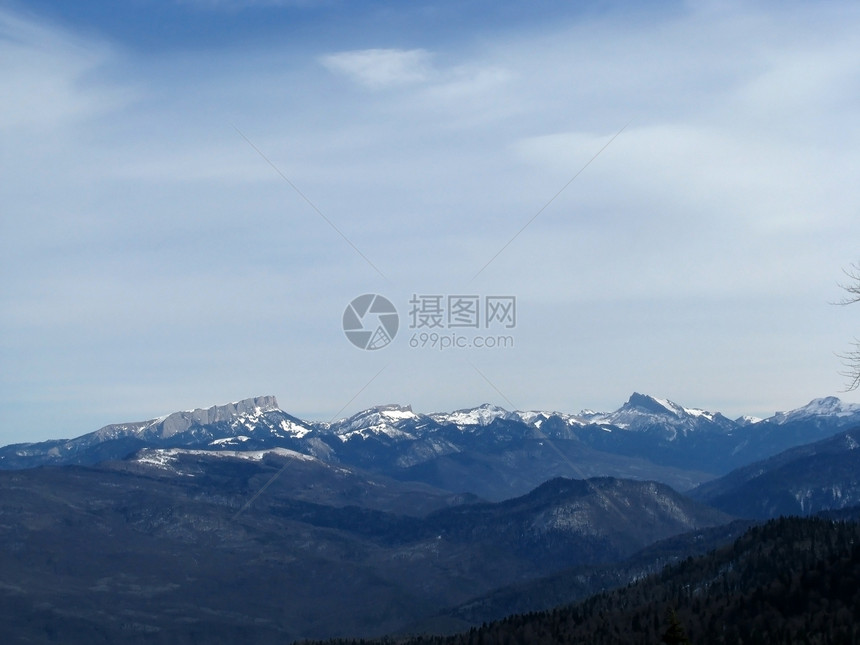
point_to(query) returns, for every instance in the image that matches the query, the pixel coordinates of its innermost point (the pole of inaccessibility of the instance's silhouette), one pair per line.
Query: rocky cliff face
(181, 421)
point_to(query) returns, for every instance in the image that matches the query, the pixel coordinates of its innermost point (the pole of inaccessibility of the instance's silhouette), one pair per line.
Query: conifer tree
(674, 634)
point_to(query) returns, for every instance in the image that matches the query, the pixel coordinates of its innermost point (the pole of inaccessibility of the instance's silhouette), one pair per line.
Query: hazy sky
(156, 253)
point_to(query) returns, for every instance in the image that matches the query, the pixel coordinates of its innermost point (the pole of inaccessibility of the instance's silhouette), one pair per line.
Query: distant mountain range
(488, 451)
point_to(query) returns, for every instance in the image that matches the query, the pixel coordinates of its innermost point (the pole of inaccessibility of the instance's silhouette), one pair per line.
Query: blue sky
(154, 255)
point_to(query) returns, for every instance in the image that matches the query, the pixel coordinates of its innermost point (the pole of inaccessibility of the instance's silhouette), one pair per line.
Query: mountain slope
(569, 522)
(800, 481)
(155, 548)
(577, 583)
(793, 580)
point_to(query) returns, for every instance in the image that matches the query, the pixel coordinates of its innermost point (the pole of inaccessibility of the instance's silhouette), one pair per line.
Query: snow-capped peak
(483, 415)
(748, 420)
(536, 418)
(642, 412)
(396, 412)
(169, 425)
(652, 405)
(380, 420)
(391, 413)
(826, 406)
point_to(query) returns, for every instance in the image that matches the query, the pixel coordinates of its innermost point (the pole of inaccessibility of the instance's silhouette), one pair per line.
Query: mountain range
(487, 451)
(243, 523)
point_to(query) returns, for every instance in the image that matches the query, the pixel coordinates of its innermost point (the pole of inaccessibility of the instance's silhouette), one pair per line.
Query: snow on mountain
(747, 420)
(483, 415)
(829, 406)
(278, 425)
(246, 412)
(413, 438)
(259, 418)
(696, 412)
(168, 458)
(229, 441)
(537, 418)
(383, 420)
(643, 412)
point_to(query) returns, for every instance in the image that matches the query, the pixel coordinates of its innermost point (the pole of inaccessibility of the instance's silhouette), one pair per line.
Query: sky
(192, 193)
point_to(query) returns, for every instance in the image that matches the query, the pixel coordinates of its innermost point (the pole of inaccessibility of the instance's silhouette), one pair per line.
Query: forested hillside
(792, 580)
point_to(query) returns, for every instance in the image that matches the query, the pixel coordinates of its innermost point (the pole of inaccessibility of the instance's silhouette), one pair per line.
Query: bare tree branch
(851, 361)
(853, 288)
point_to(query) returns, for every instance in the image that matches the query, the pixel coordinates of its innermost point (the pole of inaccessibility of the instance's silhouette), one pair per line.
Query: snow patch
(827, 406)
(227, 440)
(167, 457)
(483, 415)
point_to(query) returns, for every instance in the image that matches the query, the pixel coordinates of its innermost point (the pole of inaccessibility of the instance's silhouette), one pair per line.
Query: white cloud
(381, 68)
(49, 77)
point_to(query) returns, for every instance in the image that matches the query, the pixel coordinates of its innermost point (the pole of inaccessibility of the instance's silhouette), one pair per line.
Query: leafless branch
(851, 361)
(853, 287)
